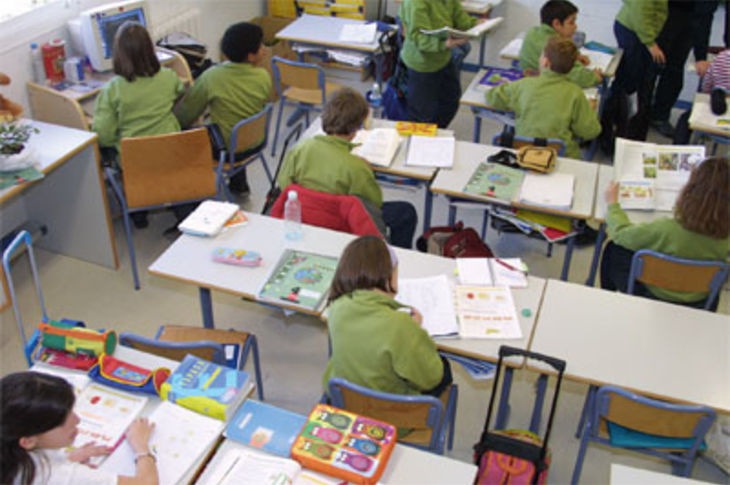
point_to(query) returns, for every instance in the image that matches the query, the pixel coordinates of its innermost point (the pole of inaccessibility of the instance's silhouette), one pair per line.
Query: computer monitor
(99, 26)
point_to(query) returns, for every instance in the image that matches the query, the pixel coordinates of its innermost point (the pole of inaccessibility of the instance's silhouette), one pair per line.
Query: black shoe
(139, 220)
(241, 190)
(664, 128)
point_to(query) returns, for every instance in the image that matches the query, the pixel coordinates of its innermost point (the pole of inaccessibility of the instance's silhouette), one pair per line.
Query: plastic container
(292, 216)
(375, 97)
(54, 55)
(39, 74)
(579, 38)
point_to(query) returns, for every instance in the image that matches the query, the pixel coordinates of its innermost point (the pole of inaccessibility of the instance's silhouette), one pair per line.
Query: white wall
(50, 22)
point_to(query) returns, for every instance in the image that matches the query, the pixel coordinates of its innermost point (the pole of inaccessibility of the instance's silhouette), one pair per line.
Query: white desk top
(52, 146)
(605, 175)
(398, 166)
(469, 155)
(658, 349)
(627, 475)
(702, 119)
(406, 465)
(323, 30)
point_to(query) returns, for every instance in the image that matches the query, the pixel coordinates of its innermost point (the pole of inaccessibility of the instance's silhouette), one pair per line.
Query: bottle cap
(33, 45)
(291, 195)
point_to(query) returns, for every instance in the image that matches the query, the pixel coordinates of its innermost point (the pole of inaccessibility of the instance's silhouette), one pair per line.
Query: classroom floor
(294, 348)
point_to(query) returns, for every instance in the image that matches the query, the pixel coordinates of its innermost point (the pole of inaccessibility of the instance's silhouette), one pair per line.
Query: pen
(509, 266)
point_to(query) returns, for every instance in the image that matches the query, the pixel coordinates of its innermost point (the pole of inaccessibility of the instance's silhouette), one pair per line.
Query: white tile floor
(294, 349)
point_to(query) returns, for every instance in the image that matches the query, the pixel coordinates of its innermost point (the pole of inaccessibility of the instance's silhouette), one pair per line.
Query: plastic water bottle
(39, 72)
(292, 216)
(376, 97)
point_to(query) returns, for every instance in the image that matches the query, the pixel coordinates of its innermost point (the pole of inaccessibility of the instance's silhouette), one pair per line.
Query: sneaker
(664, 128)
(139, 220)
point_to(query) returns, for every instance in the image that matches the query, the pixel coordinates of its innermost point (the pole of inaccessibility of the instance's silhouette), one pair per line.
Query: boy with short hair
(550, 105)
(324, 163)
(558, 18)
(233, 90)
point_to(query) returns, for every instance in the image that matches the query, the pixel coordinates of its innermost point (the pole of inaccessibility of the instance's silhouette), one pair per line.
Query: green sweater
(232, 91)
(324, 163)
(548, 106)
(428, 53)
(534, 44)
(666, 236)
(142, 107)
(644, 17)
(377, 346)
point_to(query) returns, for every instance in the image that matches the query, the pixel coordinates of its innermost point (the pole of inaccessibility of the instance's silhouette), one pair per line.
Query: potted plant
(14, 155)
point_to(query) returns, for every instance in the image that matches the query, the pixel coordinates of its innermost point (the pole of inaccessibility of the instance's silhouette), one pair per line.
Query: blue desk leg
(206, 307)
(482, 47)
(427, 207)
(452, 213)
(477, 126)
(503, 410)
(566, 260)
(596, 254)
(539, 399)
(586, 406)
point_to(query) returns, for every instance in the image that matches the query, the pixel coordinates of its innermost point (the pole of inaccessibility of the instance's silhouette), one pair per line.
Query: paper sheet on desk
(433, 297)
(358, 33)
(431, 151)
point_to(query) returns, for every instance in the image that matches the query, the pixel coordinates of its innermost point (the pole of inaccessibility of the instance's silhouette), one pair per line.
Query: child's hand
(452, 42)
(702, 67)
(611, 194)
(417, 317)
(88, 451)
(657, 53)
(583, 59)
(138, 434)
(599, 75)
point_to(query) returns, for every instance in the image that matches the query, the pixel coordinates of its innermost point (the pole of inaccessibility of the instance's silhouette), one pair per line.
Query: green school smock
(667, 236)
(324, 163)
(643, 17)
(548, 106)
(377, 346)
(142, 107)
(231, 91)
(534, 44)
(428, 53)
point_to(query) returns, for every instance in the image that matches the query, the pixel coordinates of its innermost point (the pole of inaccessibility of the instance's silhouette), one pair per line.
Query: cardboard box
(271, 25)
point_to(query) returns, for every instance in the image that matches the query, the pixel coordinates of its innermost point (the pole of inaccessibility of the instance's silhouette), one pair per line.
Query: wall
(50, 22)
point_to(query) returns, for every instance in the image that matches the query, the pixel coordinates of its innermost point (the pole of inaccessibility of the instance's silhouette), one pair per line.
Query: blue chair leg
(452, 418)
(485, 221)
(257, 367)
(278, 125)
(266, 168)
(581, 456)
(130, 245)
(477, 127)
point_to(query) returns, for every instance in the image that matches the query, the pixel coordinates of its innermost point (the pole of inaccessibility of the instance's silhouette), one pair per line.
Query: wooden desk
(468, 156)
(658, 349)
(406, 465)
(70, 200)
(704, 123)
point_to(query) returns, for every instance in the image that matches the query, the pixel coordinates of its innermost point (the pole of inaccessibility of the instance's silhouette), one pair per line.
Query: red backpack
(454, 242)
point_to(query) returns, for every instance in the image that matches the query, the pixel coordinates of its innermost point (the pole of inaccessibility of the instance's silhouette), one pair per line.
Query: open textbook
(378, 146)
(650, 176)
(475, 32)
(510, 272)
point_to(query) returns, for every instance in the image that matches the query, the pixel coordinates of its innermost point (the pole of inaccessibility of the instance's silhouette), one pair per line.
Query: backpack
(454, 242)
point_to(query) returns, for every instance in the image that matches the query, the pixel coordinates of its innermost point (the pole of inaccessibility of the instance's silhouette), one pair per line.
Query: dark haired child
(233, 90)
(550, 105)
(700, 229)
(324, 163)
(37, 421)
(374, 342)
(557, 17)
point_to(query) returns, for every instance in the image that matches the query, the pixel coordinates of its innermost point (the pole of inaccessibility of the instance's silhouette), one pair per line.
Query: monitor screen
(108, 25)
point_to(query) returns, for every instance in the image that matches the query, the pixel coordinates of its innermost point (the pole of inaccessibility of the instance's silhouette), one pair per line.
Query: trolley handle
(557, 364)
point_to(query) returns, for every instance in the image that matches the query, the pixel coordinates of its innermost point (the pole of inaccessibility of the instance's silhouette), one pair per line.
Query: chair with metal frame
(162, 171)
(427, 417)
(301, 85)
(230, 348)
(677, 274)
(620, 418)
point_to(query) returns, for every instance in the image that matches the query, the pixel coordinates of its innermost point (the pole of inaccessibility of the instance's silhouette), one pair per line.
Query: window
(10, 9)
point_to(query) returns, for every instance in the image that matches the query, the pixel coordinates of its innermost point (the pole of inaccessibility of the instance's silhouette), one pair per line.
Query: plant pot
(17, 161)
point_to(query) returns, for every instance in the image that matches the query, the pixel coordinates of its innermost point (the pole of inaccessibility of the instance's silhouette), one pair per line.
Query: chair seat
(310, 96)
(421, 437)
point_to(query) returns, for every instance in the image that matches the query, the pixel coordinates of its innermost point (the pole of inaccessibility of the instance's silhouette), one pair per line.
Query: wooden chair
(301, 85)
(177, 64)
(677, 274)
(162, 171)
(620, 418)
(224, 347)
(428, 417)
(246, 145)
(50, 106)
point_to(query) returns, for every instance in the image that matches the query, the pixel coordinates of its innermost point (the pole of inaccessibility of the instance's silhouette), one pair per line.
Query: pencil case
(129, 377)
(75, 338)
(540, 159)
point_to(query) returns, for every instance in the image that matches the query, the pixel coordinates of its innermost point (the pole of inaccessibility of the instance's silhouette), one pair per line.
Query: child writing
(699, 230)
(550, 105)
(557, 17)
(324, 163)
(233, 90)
(138, 100)
(374, 343)
(38, 422)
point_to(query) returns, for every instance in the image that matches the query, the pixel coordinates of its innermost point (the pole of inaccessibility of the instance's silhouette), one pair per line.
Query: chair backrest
(345, 213)
(418, 413)
(203, 349)
(250, 132)
(649, 416)
(677, 274)
(519, 141)
(178, 64)
(53, 107)
(297, 74)
(167, 169)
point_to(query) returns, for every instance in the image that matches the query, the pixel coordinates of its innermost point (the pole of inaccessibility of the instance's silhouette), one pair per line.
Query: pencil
(509, 266)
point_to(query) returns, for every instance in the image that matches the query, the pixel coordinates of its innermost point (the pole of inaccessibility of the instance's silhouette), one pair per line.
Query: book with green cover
(495, 180)
(17, 177)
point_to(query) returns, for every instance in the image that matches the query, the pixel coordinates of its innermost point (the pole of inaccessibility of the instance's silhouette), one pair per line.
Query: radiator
(187, 21)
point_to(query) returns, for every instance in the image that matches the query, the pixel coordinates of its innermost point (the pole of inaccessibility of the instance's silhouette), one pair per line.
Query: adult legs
(449, 95)
(433, 97)
(401, 219)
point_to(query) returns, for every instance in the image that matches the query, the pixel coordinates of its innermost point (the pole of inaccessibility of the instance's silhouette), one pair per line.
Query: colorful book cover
(498, 75)
(266, 427)
(344, 445)
(495, 180)
(206, 387)
(407, 128)
(17, 177)
(301, 279)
